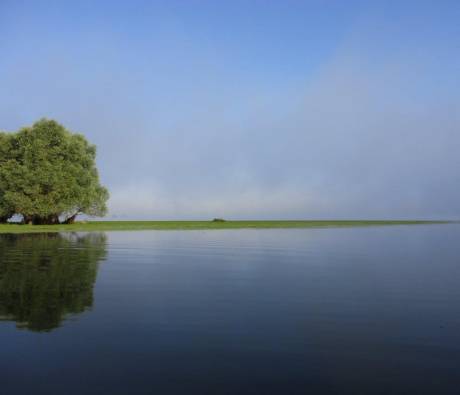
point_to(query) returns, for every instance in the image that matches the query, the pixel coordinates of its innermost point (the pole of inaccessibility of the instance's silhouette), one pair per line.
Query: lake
(372, 310)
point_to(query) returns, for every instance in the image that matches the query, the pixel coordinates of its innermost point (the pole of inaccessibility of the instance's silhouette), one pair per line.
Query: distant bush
(218, 220)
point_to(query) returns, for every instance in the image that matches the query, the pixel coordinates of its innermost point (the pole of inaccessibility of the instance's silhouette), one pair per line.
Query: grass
(95, 226)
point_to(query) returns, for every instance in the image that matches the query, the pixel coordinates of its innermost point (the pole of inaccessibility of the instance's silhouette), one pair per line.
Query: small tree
(48, 172)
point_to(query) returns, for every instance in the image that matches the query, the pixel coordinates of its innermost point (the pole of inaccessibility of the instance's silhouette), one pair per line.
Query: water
(293, 311)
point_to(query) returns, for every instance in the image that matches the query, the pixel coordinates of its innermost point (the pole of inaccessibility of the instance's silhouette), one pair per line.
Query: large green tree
(49, 175)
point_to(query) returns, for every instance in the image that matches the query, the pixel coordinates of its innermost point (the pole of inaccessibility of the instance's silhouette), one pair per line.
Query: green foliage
(55, 278)
(6, 149)
(46, 172)
(100, 226)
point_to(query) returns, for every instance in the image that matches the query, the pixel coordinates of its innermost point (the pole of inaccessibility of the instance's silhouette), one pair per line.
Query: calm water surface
(295, 311)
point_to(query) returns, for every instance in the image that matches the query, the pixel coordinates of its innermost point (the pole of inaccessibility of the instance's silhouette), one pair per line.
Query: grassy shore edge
(97, 226)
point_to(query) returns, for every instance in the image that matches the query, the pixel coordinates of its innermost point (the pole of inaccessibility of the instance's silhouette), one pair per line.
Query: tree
(48, 173)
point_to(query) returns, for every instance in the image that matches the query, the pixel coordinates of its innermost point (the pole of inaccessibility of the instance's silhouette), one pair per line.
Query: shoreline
(100, 226)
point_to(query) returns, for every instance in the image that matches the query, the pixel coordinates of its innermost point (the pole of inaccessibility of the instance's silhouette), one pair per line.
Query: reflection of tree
(44, 277)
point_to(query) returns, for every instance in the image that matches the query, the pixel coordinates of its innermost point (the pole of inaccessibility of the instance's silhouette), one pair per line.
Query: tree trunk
(27, 219)
(37, 220)
(52, 219)
(71, 219)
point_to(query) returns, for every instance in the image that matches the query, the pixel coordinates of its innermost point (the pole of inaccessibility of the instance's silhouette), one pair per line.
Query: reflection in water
(275, 311)
(44, 277)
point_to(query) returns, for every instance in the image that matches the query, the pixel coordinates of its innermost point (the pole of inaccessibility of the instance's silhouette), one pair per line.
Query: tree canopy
(48, 175)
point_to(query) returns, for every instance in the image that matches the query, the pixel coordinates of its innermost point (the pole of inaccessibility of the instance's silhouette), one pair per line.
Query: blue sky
(248, 109)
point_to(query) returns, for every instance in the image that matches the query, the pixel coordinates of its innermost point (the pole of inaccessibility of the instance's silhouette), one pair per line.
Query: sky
(248, 109)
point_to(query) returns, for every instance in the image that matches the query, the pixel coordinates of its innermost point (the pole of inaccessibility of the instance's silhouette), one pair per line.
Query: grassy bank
(194, 225)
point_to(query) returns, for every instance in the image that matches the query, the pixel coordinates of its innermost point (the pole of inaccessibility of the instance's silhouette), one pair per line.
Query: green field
(94, 226)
